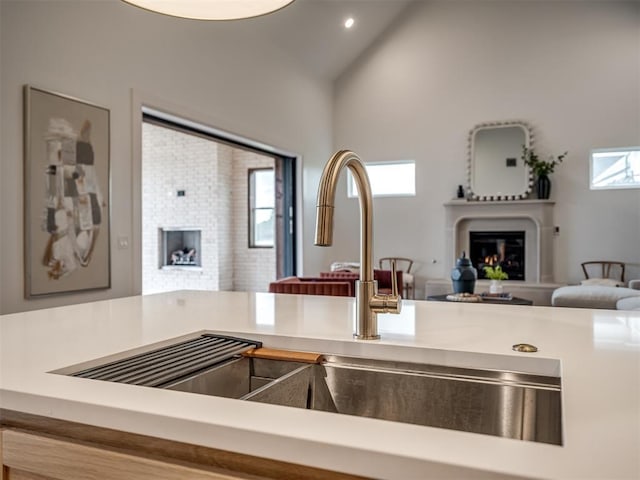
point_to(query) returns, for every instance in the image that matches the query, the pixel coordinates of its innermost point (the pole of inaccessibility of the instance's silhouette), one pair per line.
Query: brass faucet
(368, 302)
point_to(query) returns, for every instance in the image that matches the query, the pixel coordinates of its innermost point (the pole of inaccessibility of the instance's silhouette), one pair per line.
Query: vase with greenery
(496, 275)
(541, 169)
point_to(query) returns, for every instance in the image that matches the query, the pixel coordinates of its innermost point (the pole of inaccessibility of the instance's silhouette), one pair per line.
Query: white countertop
(597, 353)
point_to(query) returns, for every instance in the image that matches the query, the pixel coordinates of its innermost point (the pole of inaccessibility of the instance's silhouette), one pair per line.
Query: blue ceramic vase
(463, 275)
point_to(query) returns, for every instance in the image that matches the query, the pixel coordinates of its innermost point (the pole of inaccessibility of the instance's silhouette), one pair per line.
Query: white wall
(571, 69)
(99, 51)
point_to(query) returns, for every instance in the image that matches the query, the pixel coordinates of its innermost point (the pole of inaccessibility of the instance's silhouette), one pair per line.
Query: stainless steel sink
(505, 404)
(494, 402)
(256, 379)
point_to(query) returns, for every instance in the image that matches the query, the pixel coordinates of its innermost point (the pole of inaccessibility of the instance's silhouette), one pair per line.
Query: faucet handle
(388, 303)
(394, 279)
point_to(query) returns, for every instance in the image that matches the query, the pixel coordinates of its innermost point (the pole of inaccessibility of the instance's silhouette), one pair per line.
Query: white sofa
(598, 296)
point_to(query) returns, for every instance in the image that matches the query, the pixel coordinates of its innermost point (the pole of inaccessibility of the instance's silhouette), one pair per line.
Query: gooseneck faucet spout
(368, 302)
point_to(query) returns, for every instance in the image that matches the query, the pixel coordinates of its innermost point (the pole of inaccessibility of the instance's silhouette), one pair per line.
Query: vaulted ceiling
(313, 31)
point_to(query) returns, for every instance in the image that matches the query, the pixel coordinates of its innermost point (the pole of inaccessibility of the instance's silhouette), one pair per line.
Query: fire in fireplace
(506, 249)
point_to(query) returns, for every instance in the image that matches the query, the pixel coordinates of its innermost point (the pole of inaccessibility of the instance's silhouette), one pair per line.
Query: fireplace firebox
(506, 249)
(180, 247)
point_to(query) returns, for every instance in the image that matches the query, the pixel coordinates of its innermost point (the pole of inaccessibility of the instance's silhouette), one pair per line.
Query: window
(388, 179)
(615, 168)
(261, 208)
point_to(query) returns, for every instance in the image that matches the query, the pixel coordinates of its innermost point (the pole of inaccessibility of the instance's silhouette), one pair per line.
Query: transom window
(388, 179)
(615, 168)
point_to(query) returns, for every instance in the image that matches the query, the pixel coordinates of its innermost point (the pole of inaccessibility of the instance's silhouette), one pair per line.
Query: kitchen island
(596, 353)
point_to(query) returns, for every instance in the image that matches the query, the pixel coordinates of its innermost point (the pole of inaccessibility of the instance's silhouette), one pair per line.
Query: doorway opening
(217, 213)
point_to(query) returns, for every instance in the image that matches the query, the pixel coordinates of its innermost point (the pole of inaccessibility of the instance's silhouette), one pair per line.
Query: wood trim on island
(64, 460)
(142, 452)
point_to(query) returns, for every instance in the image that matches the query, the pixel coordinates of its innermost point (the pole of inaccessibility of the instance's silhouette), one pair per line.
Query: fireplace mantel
(535, 217)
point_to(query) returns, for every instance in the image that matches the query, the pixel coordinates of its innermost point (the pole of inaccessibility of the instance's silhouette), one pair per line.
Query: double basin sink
(503, 403)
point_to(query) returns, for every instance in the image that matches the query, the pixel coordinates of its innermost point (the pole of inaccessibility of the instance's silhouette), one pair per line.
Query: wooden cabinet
(26, 456)
(41, 448)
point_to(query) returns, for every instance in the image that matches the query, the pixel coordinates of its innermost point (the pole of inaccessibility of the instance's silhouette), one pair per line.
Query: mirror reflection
(496, 168)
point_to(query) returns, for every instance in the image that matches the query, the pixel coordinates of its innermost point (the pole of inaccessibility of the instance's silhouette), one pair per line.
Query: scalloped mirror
(496, 169)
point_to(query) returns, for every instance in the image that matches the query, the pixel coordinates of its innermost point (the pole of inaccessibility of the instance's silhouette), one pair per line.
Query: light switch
(123, 242)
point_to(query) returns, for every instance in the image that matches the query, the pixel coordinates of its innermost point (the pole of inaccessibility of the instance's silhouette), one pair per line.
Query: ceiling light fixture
(349, 22)
(212, 9)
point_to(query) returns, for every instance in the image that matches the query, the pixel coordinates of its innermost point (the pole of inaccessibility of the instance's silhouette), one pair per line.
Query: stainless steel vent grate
(167, 364)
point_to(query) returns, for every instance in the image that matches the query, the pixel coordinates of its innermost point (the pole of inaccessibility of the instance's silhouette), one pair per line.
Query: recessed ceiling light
(212, 9)
(348, 23)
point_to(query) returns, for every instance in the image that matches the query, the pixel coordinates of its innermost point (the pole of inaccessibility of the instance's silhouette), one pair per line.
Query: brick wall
(214, 178)
(253, 268)
(225, 222)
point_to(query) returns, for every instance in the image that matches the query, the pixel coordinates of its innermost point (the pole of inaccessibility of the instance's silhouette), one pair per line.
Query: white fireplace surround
(534, 217)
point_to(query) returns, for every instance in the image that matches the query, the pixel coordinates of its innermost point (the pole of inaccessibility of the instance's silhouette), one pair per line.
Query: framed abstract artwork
(66, 194)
